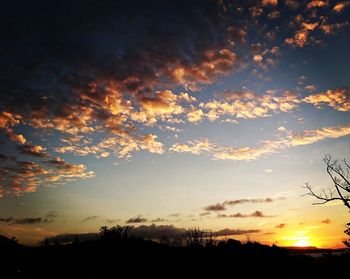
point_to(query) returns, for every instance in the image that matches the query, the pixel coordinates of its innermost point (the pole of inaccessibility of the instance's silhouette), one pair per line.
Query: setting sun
(302, 242)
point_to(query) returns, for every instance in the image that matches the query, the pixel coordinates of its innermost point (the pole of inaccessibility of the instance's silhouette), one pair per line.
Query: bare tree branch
(340, 178)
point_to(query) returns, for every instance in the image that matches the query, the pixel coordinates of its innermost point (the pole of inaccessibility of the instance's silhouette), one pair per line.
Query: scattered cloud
(281, 226)
(24, 221)
(255, 214)
(338, 99)
(138, 219)
(90, 218)
(222, 206)
(215, 207)
(340, 6)
(326, 221)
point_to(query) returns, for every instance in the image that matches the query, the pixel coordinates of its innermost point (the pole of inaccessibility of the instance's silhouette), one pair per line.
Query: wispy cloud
(137, 219)
(90, 218)
(255, 214)
(267, 147)
(281, 226)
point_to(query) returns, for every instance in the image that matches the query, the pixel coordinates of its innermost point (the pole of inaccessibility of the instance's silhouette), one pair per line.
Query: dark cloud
(281, 226)
(33, 150)
(19, 177)
(51, 215)
(24, 221)
(222, 206)
(242, 201)
(90, 218)
(255, 214)
(215, 207)
(227, 232)
(138, 219)
(3, 157)
(50, 61)
(326, 221)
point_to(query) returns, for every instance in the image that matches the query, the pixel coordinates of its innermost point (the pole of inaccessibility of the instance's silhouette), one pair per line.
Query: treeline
(116, 252)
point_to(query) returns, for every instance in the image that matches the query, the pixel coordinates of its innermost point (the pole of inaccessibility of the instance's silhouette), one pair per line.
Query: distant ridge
(6, 242)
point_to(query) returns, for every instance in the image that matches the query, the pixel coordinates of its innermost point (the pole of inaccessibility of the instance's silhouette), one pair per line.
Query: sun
(302, 242)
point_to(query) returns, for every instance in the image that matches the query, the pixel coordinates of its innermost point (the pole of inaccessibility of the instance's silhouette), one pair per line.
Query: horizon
(208, 114)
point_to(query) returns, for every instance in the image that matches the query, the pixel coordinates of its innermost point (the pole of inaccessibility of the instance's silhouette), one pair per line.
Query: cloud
(267, 147)
(3, 157)
(255, 214)
(340, 6)
(228, 232)
(338, 99)
(51, 215)
(317, 4)
(215, 207)
(78, 89)
(223, 206)
(7, 122)
(90, 218)
(242, 201)
(269, 2)
(281, 226)
(33, 150)
(138, 219)
(326, 221)
(24, 221)
(249, 105)
(20, 177)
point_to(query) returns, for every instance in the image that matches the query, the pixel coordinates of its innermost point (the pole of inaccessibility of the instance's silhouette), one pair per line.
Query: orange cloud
(339, 7)
(338, 99)
(214, 63)
(317, 4)
(269, 2)
(22, 177)
(300, 38)
(7, 121)
(33, 150)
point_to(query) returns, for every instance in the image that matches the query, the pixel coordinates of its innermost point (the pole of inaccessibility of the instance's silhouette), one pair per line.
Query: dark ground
(134, 257)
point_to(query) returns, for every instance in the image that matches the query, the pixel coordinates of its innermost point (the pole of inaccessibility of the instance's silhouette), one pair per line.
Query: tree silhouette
(340, 175)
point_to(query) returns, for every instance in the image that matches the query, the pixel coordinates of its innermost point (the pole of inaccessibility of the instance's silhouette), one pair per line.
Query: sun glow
(302, 242)
(298, 239)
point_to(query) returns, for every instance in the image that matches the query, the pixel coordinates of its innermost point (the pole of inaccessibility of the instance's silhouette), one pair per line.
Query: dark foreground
(133, 257)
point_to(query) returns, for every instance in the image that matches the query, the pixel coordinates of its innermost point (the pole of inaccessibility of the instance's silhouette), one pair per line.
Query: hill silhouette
(115, 253)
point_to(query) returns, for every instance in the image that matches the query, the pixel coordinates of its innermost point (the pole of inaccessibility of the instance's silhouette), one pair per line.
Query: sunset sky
(210, 114)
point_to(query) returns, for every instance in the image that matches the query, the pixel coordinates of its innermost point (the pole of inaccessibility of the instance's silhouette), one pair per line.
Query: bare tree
(340, 175)
(200, 238)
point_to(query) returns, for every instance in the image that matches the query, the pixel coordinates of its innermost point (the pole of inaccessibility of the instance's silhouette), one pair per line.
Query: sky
(210, 114)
